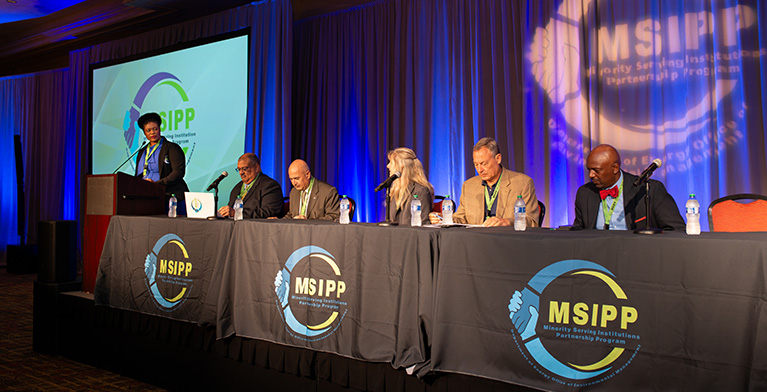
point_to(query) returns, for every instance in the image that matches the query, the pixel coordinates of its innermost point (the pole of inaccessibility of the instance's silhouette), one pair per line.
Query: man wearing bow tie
(612, 202)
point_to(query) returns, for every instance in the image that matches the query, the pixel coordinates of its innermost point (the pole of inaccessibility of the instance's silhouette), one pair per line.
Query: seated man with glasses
(261, 195)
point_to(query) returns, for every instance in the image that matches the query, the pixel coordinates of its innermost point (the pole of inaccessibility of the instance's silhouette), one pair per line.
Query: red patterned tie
(613, 192)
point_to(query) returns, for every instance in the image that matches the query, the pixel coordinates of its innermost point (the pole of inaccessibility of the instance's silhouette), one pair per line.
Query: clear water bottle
(172, 205)
(520, 214)
(447, 210)
(693, 215)
(345, 207)
(238, 208)
(415, 211)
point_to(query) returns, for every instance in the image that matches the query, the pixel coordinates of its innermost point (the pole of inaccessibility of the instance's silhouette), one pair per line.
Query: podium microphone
(214, 184)
(388, 182)
(648, 172)
(129, 158)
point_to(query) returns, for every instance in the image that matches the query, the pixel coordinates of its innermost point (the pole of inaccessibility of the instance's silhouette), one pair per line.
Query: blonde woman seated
(412, 181)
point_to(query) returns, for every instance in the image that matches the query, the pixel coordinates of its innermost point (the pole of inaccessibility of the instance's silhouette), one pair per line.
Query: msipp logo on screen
(173, 119)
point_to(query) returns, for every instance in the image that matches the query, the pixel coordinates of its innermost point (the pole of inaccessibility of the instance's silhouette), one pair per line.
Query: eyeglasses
(243, 169)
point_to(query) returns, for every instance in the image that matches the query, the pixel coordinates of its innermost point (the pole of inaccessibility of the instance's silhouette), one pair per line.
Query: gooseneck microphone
(388, 182)
(129, 158)
(656, 163)
(214, 184)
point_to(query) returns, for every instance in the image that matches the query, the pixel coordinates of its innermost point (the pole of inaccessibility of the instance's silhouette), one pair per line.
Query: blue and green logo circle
(168, 271)
(575, 324)
(310, 294)
(178, 117)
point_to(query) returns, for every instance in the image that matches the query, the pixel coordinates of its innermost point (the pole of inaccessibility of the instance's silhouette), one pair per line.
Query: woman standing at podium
(161, 161)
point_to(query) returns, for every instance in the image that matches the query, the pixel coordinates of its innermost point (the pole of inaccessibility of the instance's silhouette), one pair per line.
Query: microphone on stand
(214, 184)
(656, 163)
(388, 182)
(385, 185)
(129, 158)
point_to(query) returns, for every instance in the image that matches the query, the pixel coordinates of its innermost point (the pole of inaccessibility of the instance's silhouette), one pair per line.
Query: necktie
(612, 192)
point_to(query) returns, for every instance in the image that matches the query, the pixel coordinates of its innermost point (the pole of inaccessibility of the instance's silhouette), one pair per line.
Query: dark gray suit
(665, 213)
(323, 202)
(403, 216)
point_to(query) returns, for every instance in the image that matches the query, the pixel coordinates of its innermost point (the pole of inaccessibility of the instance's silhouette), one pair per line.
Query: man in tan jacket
(488, 198)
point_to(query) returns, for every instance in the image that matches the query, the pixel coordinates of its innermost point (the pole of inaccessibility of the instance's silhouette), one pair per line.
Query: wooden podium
(113, 194)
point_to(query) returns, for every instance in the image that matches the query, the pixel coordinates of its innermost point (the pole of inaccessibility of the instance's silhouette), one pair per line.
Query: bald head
(606, 152)
(299, 165)
(299, 174)
(604, 166)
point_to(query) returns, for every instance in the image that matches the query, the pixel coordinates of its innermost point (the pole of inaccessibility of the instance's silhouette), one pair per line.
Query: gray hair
(490, 143)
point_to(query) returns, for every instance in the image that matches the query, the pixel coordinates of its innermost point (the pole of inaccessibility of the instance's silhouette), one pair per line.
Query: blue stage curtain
(269, 121)
(44, 140)
(548, 79)
(342, 100)
(34, 107)
(12, 103)
(435, 76)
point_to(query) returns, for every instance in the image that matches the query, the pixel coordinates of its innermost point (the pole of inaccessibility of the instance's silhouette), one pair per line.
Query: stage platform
(179, 355)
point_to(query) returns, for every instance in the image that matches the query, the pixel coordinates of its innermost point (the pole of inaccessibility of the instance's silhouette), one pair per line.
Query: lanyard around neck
(490, 200)
(305, 199)
(149, 154)
(245, 188)
(608, 213)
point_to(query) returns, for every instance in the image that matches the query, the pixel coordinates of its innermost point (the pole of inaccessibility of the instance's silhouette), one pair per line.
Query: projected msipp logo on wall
(651, 83)
(168, 268)
(310, 294)
(162, 93)
(575, 324)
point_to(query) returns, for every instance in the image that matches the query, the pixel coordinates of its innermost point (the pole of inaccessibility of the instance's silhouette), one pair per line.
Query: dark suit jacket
(323, 202)
(172, 167)
(403, 216)
(263, 200)
(665, 213)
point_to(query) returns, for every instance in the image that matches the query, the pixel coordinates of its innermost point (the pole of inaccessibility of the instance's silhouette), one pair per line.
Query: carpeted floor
(22, 369)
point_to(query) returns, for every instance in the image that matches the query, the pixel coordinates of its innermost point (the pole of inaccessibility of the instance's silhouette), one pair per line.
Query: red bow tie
(613, 192)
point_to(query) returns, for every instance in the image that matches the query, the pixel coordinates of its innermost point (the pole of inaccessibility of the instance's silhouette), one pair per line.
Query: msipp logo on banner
(575, 324)
(168, 269)
(310, 294)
